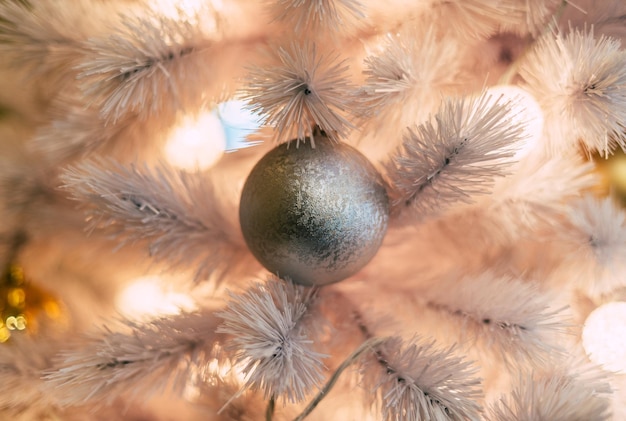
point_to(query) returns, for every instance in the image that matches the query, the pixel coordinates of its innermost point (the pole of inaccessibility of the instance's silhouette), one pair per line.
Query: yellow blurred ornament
(612, 171)
(22, 304)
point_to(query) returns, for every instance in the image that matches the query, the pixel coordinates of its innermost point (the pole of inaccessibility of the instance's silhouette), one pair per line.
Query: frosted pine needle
(538, 192)
(415, 381)
(270, 338)
(318, 15)
(405, 81)
(580, 82)
(455, 157)
(555, 397)
(475, 18)
(149, 64)
(146, 359)
(300, 90)
(597, 241)
(23, 373)
(38, 34)
(503, 314)
(183, 217)
(74, 130)
(600, 230)
(533, 16)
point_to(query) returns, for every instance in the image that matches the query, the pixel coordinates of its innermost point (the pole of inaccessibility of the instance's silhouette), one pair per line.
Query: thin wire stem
(365, 346)
(271, 406)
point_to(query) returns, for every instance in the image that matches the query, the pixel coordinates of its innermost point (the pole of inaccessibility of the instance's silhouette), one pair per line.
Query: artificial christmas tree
(435, 237)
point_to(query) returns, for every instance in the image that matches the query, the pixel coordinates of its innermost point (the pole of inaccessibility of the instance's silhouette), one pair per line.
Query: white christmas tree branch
(475, 18)
(318, 15)
(36, 33)
(405, 82)
(183, 217)
(148, 358)
(74, 130)
(455, 157)
(538, 192)
(299, 90)
(150, 64)
(535, 20)
(595, 240)
(538, 17)
(269, 326)
(21, 188)
(555, 396)
(511, 317)
(21, 364)
(417, 381)
(600, 230)
(523, 207)
(579, 80)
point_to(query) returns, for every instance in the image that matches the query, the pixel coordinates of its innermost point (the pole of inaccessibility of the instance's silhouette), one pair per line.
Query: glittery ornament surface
(315, 215)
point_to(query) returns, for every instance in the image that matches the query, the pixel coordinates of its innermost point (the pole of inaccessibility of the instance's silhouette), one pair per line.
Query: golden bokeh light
(23, 304)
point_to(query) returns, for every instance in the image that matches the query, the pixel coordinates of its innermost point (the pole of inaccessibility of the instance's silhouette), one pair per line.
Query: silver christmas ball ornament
(316, 214)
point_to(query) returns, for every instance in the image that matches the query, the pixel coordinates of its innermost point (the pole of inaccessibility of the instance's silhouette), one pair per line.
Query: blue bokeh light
(238, 123)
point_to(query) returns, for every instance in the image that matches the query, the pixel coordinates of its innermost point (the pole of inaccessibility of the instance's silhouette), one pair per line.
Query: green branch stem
(271, 406)
(368, 345)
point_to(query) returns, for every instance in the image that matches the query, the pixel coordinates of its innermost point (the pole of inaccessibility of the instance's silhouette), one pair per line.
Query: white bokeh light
(147, 296)
(527, 112)
(196, 143)
(604, 336)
